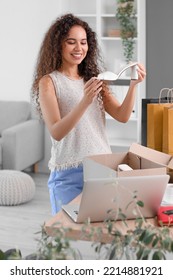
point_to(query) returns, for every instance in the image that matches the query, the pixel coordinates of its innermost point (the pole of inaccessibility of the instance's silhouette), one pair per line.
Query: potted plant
(125, 14)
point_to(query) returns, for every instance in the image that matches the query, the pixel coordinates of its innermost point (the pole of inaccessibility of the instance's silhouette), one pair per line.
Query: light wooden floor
(19, 224)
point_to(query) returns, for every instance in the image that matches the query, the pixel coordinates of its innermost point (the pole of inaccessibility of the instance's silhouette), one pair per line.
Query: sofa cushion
(13, 112)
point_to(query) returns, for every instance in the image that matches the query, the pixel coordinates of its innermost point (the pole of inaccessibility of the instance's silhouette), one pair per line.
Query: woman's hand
(141, 74)
(121, 112)
(91, 89)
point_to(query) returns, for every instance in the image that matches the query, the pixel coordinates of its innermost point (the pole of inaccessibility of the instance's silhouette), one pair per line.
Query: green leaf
(158, 255)
(148, 239)
(139, 222)
(109, 227)
(166, 243)
(128, 239)
(140, 203)
(146, 253)
(142, 235)
(122, 216)
(117, 233)
(112, 254)
(2, 255)
(140, 253)
(155, 241)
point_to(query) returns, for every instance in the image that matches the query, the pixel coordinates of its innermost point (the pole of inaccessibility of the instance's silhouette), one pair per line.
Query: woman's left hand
(141, 74)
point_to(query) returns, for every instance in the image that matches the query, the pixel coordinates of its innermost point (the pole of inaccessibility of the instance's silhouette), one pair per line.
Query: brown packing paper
(155, 123)
(168, 130)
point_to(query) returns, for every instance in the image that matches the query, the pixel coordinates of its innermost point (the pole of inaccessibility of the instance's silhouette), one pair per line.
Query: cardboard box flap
(147, 164)
(170, 164)
(110, 160)
(133, 160)
(151, 154)
(113, 160)
(144, 172)
(95, 170)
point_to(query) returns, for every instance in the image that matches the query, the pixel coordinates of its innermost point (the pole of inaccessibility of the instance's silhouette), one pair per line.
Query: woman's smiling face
(75, 46)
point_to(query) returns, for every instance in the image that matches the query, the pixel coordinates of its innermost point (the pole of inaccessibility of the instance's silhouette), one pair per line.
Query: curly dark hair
(50, 58)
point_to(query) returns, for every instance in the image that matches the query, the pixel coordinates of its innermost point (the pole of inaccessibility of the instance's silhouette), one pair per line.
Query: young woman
(73, 102)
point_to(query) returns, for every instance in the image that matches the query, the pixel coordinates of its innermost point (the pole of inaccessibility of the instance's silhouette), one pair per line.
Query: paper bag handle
(169, 90)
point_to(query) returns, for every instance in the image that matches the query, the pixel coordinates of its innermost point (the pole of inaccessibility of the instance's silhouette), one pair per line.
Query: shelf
(86, 15)
(114, 142)
(132, 119)
(108, 15)
(106, 38)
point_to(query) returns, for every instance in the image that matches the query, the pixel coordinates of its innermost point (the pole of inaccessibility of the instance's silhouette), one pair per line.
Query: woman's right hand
(91, 89)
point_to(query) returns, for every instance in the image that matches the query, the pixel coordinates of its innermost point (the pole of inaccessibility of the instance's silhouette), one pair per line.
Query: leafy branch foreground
(143, 242)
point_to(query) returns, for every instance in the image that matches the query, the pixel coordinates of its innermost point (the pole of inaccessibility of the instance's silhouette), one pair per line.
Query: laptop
(107, 198)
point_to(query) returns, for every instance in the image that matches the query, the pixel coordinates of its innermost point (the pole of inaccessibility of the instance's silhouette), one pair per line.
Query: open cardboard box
(144, 161)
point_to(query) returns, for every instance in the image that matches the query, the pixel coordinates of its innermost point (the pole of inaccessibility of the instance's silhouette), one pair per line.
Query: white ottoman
(16, 187)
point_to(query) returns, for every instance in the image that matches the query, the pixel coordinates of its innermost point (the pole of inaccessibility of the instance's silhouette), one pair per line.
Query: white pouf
(16, 187)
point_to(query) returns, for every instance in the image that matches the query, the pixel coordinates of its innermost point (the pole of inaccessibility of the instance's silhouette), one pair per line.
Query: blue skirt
(64, 186)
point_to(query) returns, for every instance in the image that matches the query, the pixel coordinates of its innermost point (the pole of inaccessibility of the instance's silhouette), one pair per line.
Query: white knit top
(88, 137)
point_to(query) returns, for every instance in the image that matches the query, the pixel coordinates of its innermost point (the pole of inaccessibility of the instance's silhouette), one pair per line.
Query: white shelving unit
(100, 14)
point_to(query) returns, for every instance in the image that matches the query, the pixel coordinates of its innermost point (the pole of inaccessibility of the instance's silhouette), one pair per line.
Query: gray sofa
(21, 136)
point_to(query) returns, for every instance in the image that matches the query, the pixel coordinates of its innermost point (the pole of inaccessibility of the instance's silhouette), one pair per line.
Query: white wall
(22, 26)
